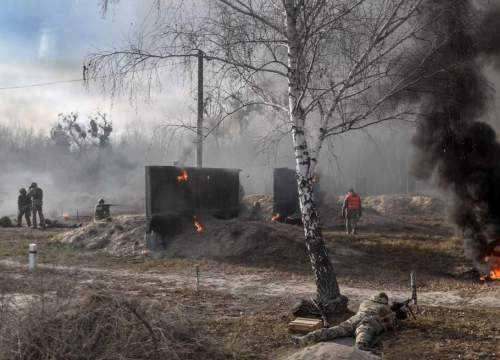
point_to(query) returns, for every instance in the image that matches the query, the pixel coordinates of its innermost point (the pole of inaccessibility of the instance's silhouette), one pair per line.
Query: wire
(50, 83)
(56, 82)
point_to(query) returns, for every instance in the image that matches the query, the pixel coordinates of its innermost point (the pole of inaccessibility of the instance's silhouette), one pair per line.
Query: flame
(494, 262)
(197, 225)
(275, 217)
(183, 177)
(66, 216)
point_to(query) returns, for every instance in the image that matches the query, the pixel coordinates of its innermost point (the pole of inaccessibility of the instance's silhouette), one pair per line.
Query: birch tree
(328, 66)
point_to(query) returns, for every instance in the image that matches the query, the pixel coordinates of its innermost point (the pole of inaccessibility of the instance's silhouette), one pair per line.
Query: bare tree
(68, 132)
(328, 66)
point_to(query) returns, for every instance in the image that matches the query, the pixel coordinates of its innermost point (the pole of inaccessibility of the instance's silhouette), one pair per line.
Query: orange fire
(275, 217)
(65, 216)
(494, 262)
(183, 177)
(197, 225)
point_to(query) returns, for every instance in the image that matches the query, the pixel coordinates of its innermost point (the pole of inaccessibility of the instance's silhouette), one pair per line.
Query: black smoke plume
(452, 142)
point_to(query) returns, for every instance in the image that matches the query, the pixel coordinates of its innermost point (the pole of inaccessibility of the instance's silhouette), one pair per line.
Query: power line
(49, 83)
(56, 82)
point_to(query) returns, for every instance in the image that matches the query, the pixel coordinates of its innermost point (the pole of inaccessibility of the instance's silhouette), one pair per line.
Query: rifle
(402, 309)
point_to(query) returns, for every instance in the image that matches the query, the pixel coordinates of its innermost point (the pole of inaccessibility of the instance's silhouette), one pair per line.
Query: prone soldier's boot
(302, 341)
(362, 346)
(313, 337)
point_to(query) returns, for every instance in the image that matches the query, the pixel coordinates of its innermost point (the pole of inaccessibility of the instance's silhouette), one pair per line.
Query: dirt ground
(245, 302)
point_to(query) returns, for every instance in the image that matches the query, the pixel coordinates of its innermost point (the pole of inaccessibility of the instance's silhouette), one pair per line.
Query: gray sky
(47, 40)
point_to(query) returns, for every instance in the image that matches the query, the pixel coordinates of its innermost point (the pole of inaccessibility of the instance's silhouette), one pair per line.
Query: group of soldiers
(30, 204)
(373, 317)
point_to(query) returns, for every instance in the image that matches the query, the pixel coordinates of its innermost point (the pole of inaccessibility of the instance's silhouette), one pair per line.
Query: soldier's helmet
(381, 298)
(33, 185)
(22, 191)
(101, 201)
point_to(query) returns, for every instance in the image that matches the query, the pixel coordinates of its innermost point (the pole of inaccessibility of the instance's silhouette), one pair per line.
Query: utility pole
(199, 125)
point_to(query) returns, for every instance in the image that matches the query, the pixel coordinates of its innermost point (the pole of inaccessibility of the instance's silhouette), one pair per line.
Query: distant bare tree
(70, 133)
(328, 66)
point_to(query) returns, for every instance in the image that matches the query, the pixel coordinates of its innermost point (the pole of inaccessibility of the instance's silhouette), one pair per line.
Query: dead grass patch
(101, 325)
(442, 334)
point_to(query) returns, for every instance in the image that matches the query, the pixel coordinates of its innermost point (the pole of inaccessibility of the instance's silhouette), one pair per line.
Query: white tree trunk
(326, 279)
(328, 293)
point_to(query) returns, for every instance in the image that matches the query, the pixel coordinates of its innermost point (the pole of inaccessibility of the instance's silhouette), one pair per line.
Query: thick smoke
(453, 143)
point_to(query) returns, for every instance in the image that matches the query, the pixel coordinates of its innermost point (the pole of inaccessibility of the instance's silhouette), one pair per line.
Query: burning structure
(286, 206)
(285, 195)
(177, 197)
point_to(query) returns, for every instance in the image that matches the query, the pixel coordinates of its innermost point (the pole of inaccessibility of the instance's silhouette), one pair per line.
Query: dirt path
(262, 284)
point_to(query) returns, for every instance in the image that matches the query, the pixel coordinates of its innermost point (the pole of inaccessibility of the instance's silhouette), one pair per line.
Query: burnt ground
(246, 304)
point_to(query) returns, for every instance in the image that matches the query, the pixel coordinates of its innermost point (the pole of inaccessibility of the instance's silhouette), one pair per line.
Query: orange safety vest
(353, 202)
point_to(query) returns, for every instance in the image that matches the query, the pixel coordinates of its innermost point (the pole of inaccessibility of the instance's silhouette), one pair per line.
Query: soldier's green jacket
(373, 317)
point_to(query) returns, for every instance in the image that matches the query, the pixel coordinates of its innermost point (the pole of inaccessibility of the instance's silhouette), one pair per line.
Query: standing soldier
(24, 208)
(373, 317)
(36, 195)
(351, 211)
(102, 211)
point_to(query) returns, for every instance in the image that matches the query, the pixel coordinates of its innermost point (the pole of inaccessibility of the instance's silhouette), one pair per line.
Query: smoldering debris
(452, 142)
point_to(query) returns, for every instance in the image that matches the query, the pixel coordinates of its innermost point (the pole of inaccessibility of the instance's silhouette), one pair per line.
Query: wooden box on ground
(305, 325)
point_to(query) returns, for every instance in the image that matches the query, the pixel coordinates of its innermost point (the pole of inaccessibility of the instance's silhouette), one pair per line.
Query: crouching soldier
(373, 317)
(23, 208)
(102, 211)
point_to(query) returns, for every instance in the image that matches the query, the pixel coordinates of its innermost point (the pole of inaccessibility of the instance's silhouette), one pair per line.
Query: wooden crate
(305, 325)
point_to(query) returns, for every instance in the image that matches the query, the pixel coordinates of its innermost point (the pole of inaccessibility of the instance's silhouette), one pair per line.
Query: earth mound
(339, 349)
(122, 236)
(237, 239)
(405, 204)
(248, 241)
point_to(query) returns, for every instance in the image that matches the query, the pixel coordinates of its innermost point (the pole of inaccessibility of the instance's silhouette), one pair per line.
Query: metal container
(174, 195)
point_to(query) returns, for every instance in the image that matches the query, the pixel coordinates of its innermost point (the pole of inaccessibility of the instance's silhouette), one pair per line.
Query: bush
(101, 326)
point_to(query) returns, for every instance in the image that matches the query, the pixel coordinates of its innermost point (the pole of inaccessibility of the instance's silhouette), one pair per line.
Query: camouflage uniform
(24, 208)
(36, 195)
(102, 211)
(373, 317)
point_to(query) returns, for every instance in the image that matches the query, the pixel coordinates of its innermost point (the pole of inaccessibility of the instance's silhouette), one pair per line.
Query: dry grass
(439, 262)
(250, 327)
(446, 334)
(101, 325)
(246, 327)
(14, 244)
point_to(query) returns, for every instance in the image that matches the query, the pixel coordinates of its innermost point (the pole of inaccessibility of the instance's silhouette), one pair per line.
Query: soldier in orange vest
(351, 211)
